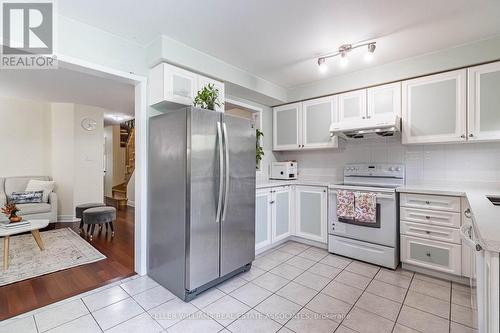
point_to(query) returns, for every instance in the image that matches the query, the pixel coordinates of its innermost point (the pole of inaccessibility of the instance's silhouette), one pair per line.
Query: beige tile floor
(295, 288)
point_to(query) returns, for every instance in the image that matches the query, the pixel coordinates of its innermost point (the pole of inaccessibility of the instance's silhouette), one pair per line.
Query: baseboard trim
(67, 219)
(297, 239)
(436, 274)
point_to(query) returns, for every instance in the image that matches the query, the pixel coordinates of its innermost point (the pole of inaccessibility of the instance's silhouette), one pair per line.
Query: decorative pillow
(41, 185)
(26, 197)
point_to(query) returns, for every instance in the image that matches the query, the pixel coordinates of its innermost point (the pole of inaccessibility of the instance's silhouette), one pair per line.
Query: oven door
(386, 234)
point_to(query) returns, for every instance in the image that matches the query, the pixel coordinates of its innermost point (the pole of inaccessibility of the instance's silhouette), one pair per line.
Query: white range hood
(380, 125)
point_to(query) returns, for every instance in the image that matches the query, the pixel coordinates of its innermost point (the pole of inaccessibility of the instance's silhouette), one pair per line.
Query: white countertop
(311, 181)
(486, 215)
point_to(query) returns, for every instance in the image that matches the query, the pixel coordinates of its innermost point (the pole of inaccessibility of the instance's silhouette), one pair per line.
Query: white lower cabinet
(430, 233)
(439, 256)
(284, 211)
(311, 213)
(263, 218)
(281, 206)
(273, 215)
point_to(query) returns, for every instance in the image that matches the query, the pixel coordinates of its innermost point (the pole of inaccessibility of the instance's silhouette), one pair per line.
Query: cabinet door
(439, 256)
(180, 85)
(352, 106)
(287, 127)
(384, 100)
(311, 213)
(484, 102)
(281, 206)
(434, 108)
(204, 81)
(317, 115)
(263, 218)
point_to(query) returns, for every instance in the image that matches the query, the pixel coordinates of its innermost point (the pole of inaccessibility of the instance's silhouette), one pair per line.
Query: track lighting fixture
(343, 51)
(323, 68)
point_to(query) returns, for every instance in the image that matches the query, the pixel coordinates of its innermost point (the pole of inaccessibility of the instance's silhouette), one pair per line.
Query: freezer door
(238, 215)
(202, 260)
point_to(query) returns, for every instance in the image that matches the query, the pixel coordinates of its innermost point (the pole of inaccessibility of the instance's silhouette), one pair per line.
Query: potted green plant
(259, 151)
(207, 98)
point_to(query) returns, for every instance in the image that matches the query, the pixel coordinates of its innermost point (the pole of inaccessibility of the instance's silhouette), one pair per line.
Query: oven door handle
(386, 196)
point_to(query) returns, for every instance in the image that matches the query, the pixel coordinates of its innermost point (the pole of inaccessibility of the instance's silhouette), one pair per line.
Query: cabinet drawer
(437, 202)
(439, 256)
(426, 231)
(432, 217)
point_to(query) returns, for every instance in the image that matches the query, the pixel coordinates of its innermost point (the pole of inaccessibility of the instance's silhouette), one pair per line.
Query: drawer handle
(427, 202)
(427, 232)
(428, 254)
(428, 217)
(271, 202)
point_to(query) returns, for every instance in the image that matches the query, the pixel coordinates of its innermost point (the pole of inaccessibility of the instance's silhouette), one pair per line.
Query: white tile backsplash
(424, 163)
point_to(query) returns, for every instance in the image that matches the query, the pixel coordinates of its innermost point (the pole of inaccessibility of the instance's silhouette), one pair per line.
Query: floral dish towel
(365, 207)
(345, 204)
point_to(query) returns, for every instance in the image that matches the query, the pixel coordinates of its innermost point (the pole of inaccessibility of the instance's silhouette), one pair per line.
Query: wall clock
(89, 124)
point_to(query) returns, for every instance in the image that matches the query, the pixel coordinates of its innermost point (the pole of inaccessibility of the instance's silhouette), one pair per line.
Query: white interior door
(287, 127)
(484, 102)
(317, 115)
(434, 108)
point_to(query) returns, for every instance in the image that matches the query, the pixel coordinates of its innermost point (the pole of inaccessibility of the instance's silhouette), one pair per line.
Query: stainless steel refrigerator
(201, 228)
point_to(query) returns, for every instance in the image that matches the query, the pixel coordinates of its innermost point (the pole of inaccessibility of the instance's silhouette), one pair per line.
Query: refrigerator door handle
(226, 171)
(221, 172)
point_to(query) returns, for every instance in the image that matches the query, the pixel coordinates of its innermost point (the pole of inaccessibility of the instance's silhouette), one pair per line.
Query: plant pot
(15, 219)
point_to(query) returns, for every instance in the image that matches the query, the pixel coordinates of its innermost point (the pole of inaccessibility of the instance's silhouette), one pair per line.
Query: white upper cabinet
(204, 81)
(484, 102)
(352, 106)
(169, 84)
(287, 127)
(434, 108)
(383, 100)
(304, 125)
(317, 115)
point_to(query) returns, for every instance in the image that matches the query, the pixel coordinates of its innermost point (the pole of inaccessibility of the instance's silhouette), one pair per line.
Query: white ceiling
(279, 39)
(68, 86)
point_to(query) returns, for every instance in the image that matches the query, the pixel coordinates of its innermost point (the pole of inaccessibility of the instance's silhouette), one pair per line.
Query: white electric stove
(374, 243)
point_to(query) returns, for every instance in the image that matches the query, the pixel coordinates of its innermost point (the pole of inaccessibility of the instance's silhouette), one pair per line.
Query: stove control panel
(374, 170)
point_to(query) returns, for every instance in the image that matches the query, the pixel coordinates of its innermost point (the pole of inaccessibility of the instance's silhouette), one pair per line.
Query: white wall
(63, 156)
(475, 162)
(237, 80)
(267, 129)
(24, 138)
(465, 55)
(88, 185)
(47, 139)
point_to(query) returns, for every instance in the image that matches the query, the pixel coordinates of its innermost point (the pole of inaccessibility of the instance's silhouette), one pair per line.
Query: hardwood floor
(23, 296)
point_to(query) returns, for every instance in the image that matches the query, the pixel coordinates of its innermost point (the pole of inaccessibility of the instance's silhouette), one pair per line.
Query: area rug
(63, 249)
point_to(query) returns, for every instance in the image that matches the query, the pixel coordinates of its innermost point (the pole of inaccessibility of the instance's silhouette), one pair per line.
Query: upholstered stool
(99, 215)
(81, 208)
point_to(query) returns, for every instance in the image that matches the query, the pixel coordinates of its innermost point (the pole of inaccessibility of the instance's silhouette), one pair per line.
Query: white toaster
(284, 170)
